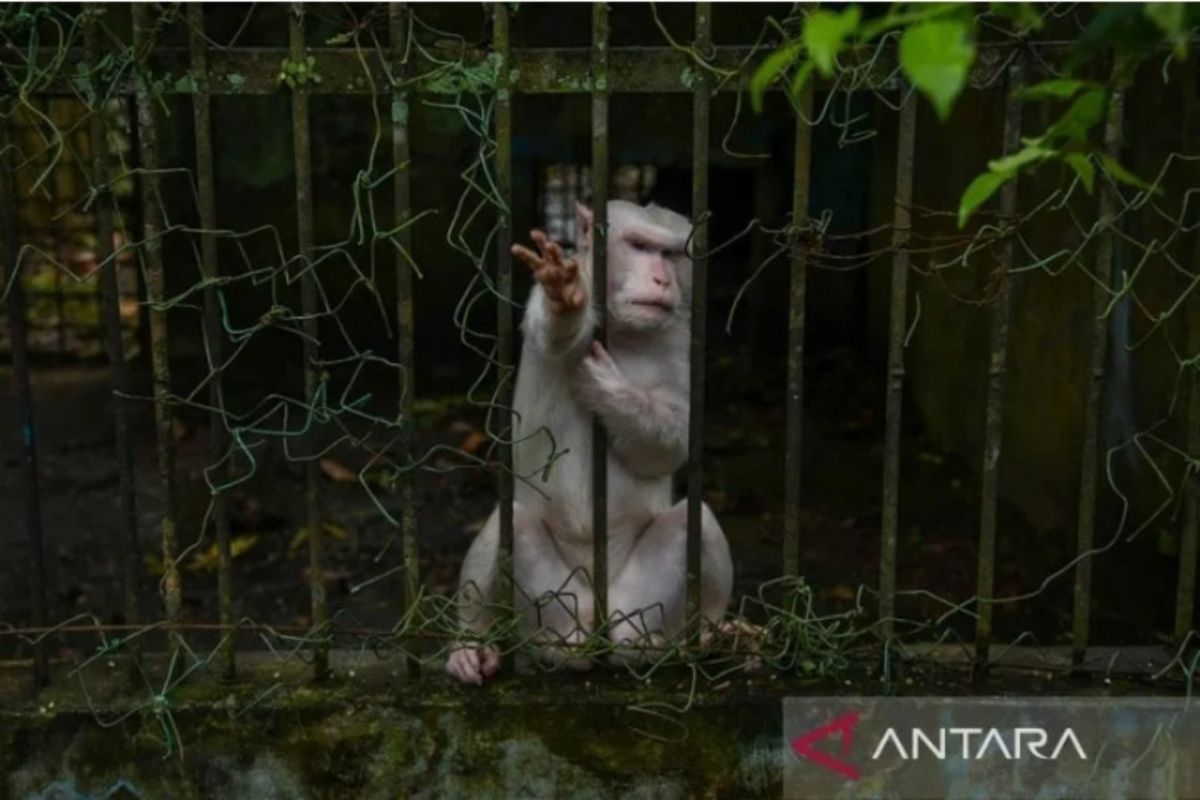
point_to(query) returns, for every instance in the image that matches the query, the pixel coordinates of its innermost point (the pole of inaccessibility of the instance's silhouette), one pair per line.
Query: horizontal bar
(631, 70)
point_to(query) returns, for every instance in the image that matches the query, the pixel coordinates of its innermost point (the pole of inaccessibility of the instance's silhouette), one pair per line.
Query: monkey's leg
(555, 603)
(648, 596)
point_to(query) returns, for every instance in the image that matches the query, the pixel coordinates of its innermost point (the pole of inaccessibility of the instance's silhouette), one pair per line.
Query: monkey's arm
(559, 335)
(470, 661)
(647, 427)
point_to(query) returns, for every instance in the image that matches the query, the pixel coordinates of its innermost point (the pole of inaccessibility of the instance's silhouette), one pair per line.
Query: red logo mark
(802, 746)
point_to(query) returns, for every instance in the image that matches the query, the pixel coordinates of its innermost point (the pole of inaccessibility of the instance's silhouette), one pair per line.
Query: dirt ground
(841, 516)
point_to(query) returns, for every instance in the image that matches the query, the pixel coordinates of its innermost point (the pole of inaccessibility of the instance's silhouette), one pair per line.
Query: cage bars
(502, 428)
(600, 302)
(797, 298)
(993, 432)
(701, 104)
(126, 538)
(1094, 397)
(302, 153)
(18, 343)
(152, 265)
(398, 29)
(898, 320)
(218, 436)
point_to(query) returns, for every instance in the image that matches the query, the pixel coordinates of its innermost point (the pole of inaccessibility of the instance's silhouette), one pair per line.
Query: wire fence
(305, 287)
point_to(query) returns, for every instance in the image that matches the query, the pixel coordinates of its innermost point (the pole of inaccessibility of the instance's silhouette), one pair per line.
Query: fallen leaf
(210, 559)
(473, 441)
(337, 471)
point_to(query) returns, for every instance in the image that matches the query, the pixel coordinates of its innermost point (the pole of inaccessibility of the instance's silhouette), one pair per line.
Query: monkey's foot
(740, 634)
(472, 663)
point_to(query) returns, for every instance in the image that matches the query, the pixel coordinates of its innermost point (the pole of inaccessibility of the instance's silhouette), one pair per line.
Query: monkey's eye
(640, 246)
(670, 254)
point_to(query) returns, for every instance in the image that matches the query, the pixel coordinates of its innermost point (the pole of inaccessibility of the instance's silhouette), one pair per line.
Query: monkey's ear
(583, 223)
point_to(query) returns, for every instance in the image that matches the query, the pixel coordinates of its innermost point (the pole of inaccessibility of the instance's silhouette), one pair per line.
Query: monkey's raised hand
(559, 275)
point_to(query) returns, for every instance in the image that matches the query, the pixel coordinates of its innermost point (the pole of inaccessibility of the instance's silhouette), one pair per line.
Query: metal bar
(993, 433)
(218, 435)
(1189, 540)
(566, 70)
(126, 540)
(600, 301)
(302, 153)
(398, 17)
(797, 293)
(18, 337)
(901, 233)
(504, 309)
(152, 261)
(1094, 401)
(695, 486)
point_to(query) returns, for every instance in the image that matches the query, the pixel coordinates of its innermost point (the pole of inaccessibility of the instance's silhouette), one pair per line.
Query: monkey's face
(648, 277)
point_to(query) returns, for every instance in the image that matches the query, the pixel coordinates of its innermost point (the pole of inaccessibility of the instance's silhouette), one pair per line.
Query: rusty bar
(1189, 539)
(504, 310)
(539, 70)
(152, 262)
(18, 336)
(701, 100)
(219, 438)
(1094, 401)
(125, 540)
(993, 431)
(398, 20)
(901, 232)
(302, 153)
(797, 292)
(600, 301)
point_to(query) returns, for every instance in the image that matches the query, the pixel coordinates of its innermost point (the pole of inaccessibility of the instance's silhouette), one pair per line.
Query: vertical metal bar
(302, 153)
(997, 372)
(126, 541)
(901, 232)
(600, 301)
(700, 140)
(797, 293)
(151, 251)
(398, 16)
(504, 317)
(219, 439)
(1189, 540)
(1094, 401)
(18, 334)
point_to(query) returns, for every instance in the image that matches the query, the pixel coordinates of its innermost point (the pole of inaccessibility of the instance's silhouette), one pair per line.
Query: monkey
(638, 387)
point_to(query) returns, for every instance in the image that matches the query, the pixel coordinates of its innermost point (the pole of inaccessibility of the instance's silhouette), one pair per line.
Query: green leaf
(978, 192)
(1171, 20)
(769, 69)
(1118, 172)
(1083, 168)
(1023, 157)
(1084, 113)
(1059, 89)
(824, 34)
(800, 79)
(937, 56)
(1024, 16)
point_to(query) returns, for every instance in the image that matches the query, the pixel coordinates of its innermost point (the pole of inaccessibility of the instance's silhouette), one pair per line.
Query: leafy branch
(937, 48)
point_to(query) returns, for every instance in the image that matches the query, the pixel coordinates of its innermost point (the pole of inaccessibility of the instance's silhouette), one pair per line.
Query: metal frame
(598, 71)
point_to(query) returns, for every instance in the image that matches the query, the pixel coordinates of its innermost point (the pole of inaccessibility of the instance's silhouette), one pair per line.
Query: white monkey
(639, 389)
